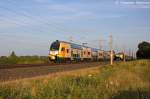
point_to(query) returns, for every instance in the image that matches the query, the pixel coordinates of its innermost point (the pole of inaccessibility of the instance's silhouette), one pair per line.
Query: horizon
(29, 27)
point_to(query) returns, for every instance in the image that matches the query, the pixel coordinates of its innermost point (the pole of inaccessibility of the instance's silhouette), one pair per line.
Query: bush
(143, 50)
(3, 60)
(14, 59)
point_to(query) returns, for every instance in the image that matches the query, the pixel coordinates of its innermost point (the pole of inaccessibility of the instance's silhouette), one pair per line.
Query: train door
(68, 51)
(62, 51)
(78, 54)
(65, 50)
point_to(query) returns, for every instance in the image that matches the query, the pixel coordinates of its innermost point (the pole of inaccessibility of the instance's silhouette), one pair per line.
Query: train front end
(54, 51)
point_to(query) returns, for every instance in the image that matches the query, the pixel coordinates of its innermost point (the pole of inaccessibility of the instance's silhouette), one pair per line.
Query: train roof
(73, 45)
(78, 46)
(94, 49)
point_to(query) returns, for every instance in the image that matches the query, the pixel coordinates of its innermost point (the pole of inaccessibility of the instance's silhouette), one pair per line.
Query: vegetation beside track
(130, 80)
(14, 59)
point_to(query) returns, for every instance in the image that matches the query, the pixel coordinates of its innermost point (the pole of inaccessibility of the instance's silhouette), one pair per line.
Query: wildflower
(89, 75)
(111, 83)
(45, 82)
(116, 83)
(33, 91)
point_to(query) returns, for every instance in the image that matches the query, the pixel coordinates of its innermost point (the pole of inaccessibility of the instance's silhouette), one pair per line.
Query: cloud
(80, 16)
(81, 11)
(134, 4)
(41, 1)
(137, 6)
(58, 13)
(16, 21)
(62, 8)
(143, 6)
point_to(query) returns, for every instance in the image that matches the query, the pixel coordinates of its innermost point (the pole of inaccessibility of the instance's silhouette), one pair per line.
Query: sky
(28, 27)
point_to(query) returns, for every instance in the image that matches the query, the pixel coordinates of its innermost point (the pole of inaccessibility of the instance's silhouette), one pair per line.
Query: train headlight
(53, 52)
(56, 52)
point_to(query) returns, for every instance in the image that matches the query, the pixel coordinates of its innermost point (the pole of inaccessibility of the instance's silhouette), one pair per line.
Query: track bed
(27, 71)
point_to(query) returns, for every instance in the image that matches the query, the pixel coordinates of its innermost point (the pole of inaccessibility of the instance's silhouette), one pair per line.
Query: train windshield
(55, 46)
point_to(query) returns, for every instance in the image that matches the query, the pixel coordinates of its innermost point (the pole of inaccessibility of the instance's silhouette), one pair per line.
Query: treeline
(143, 50)
(14, 59)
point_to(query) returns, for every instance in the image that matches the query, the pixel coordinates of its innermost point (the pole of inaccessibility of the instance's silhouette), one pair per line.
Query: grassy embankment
(130, 80)
(23, 60)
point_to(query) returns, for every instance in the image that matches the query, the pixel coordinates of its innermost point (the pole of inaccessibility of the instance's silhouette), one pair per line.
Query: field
(13, 59)
(129, 80)
(32, 70)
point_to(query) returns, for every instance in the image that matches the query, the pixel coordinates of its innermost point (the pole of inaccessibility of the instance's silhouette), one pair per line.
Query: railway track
(26, 71)
(26, 65)
(9, 66)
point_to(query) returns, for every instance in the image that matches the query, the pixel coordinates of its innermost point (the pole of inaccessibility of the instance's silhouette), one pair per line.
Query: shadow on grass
(138, 94)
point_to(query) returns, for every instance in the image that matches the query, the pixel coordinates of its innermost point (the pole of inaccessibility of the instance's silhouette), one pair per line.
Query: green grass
(130, 80)
(23, 60)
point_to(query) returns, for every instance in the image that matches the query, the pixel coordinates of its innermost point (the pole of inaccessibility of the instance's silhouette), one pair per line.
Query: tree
(13, 59)
(13, 54)
(143, 50)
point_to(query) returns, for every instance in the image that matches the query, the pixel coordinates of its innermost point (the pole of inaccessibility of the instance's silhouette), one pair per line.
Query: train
(62, 51)
(122, 56)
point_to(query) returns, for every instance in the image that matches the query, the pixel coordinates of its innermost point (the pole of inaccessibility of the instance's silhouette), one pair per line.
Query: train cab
(54, 50)
(59, 51)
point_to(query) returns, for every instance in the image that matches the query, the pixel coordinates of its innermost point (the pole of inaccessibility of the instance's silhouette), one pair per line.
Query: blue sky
(29, 26)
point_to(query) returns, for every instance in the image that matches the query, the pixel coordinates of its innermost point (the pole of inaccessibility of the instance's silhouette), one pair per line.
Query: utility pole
(132, 54)
(124, 51)
(111, 49)
(129, 52)
(124, 56)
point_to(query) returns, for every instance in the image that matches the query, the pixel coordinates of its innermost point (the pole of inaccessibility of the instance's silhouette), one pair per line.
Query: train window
(62, 49)
(55, 46)
(84, 52)
(74, 55)
(100, 54)
(81, 54)
(67, 50)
